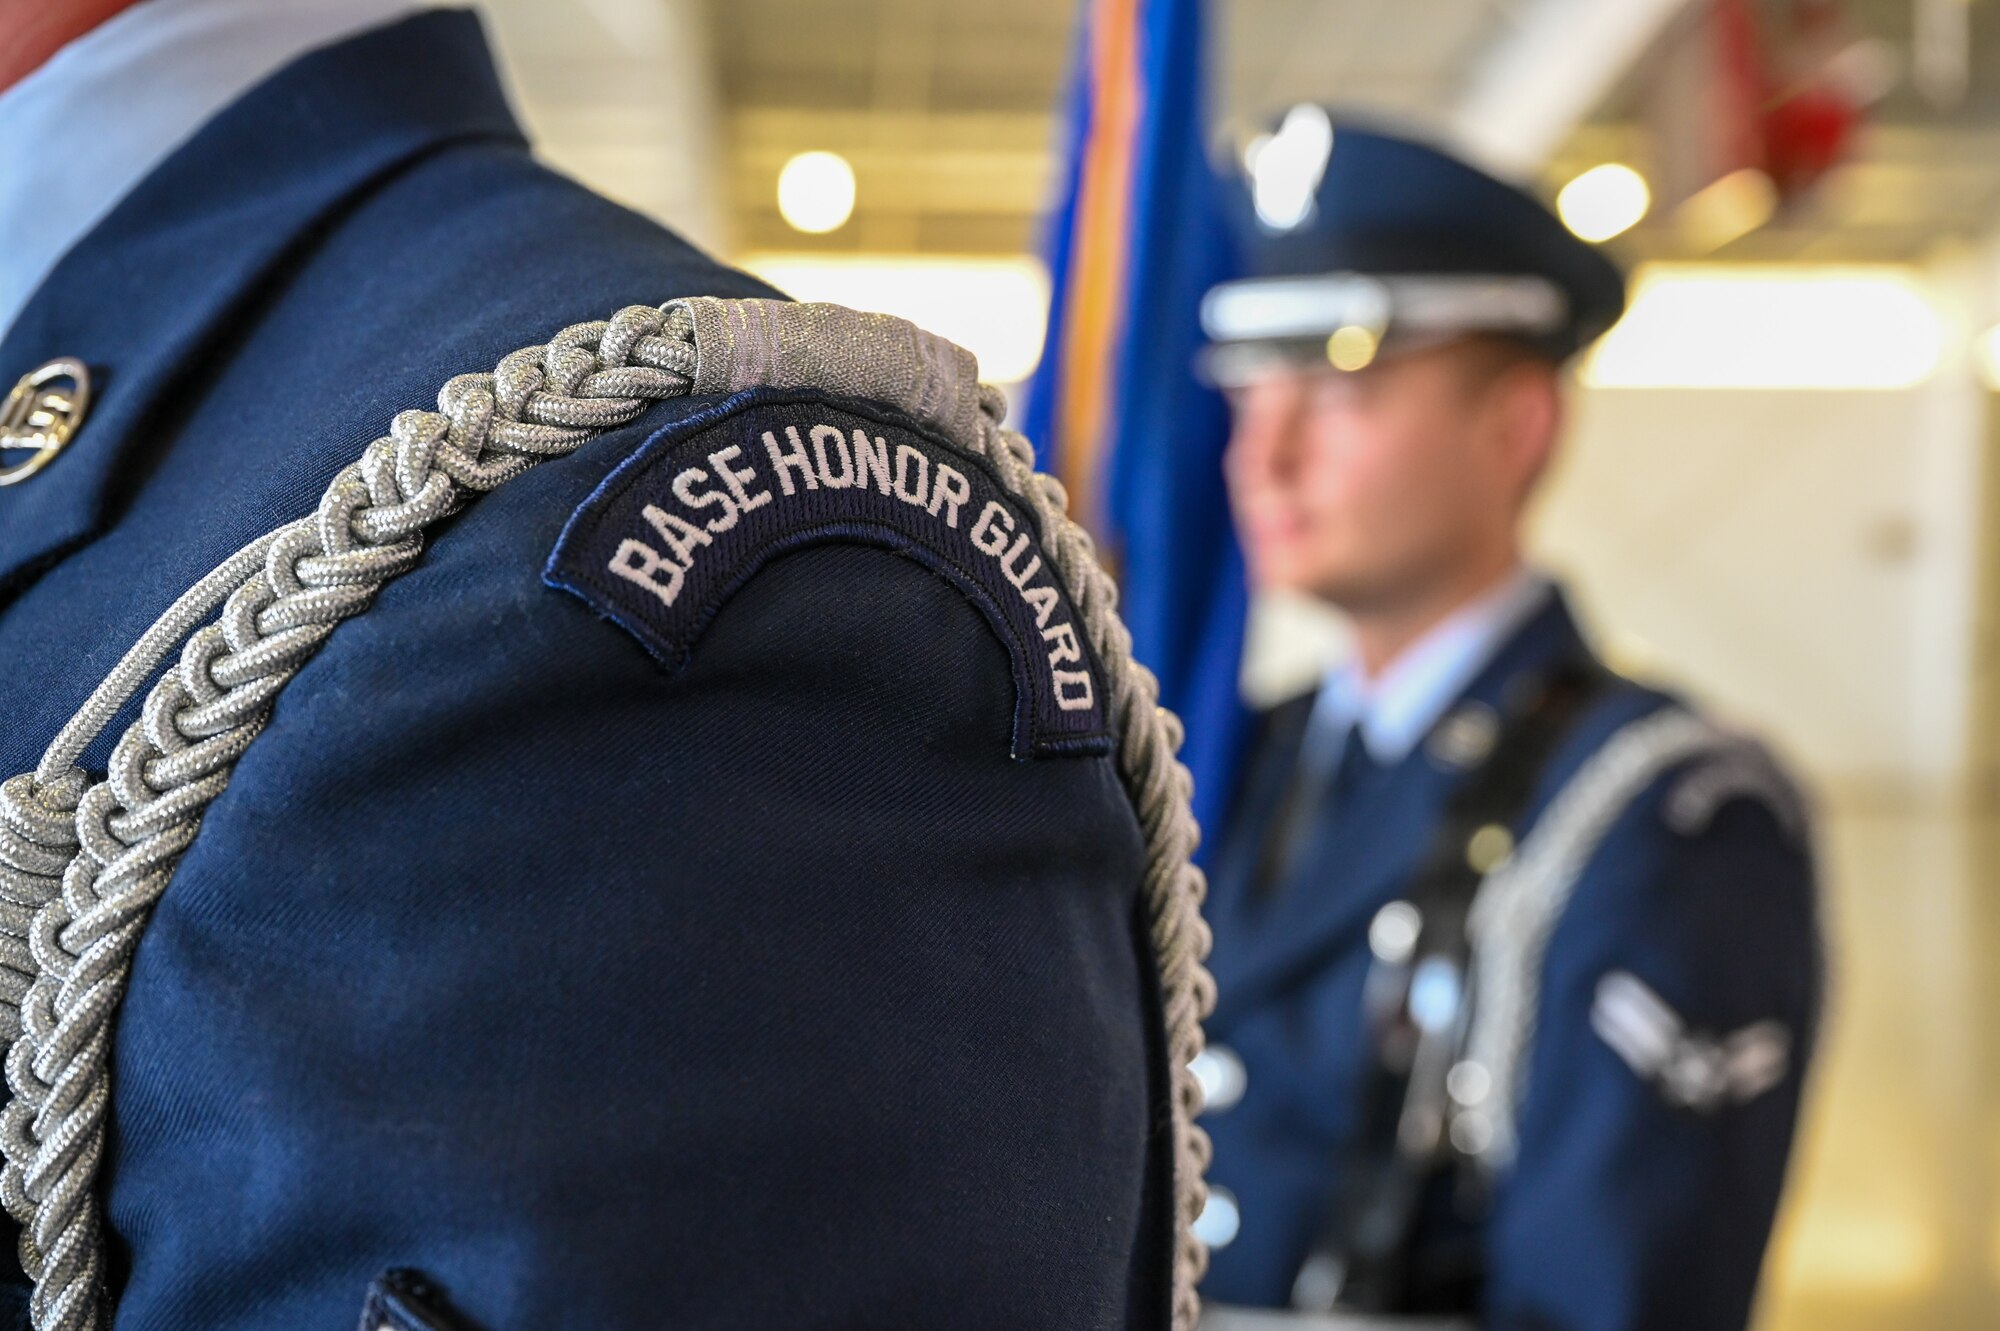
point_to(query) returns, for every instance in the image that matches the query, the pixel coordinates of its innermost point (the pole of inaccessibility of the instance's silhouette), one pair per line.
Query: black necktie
(1317, 785)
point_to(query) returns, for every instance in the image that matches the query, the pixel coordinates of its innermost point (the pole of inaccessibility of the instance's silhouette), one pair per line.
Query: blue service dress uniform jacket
(1621, 1210)
(770, 993)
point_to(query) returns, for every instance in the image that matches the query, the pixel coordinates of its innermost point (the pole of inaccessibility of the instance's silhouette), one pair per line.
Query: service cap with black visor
(1359, 243)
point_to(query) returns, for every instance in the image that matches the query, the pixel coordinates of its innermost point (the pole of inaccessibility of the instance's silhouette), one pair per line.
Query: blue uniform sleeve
(769, 992)
(1679, 1000)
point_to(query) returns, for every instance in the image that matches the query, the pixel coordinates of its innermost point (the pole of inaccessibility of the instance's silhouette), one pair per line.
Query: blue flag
(1138, 236)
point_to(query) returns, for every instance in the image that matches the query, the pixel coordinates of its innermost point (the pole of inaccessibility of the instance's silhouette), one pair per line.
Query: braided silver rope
(82, 862)
(1518, 906)
(1161, 787)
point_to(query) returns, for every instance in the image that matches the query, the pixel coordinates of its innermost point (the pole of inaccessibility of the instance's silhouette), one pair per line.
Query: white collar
(1398, 709)
(102, 112)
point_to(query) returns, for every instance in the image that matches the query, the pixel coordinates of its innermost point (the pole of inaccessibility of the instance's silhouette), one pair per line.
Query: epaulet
(1740, 767)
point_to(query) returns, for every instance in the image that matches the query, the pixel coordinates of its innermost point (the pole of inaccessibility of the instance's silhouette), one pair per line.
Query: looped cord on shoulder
(1518, 906)
(83, 860)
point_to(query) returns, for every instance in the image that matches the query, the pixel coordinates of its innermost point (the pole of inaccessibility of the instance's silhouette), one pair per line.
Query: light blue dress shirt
(1397, 709)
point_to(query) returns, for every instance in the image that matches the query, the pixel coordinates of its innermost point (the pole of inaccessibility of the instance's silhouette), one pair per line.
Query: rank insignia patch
(693, 514)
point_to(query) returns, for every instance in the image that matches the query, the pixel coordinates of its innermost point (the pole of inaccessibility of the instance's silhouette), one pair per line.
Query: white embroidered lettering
(680, 535)
(995, 525)
(790, 460)
(734, 477)
(638, 562)
(1066, 646)
(684, 490)
(1045, 601)
(950, 491)
(1073, 691)
(1020, 576)
(832, 480)
(871, 458)
(704, 506)
(909, 460)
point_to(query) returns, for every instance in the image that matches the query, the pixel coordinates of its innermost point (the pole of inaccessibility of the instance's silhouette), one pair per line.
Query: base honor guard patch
(700, 507)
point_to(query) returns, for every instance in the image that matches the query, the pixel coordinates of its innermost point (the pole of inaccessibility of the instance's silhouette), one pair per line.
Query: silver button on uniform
(1222, 1077)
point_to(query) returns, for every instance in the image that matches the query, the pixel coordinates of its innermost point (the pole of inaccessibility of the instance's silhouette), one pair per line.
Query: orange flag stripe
(1095, 299)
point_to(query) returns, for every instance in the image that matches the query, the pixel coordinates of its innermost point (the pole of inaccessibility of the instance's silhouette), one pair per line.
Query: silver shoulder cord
(83, 860)
(1520, 903)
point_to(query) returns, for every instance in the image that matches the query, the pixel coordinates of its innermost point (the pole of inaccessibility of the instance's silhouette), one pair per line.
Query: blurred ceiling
(947, 109)
(1395, 58)
(1920, 174)
(944, 107)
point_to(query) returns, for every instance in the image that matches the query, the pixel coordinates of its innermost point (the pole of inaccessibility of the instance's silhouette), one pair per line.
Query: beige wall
(1799, 560)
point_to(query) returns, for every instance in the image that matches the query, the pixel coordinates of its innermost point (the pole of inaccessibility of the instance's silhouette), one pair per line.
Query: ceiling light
(816, 192)
(1604, 201)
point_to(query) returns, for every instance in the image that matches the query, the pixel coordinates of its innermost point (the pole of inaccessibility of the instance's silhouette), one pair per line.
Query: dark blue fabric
(1621, 1213)
(774, 992)
(1392, 206)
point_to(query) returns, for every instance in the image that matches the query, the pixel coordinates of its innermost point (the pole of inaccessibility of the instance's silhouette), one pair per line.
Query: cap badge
(1286, 167)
